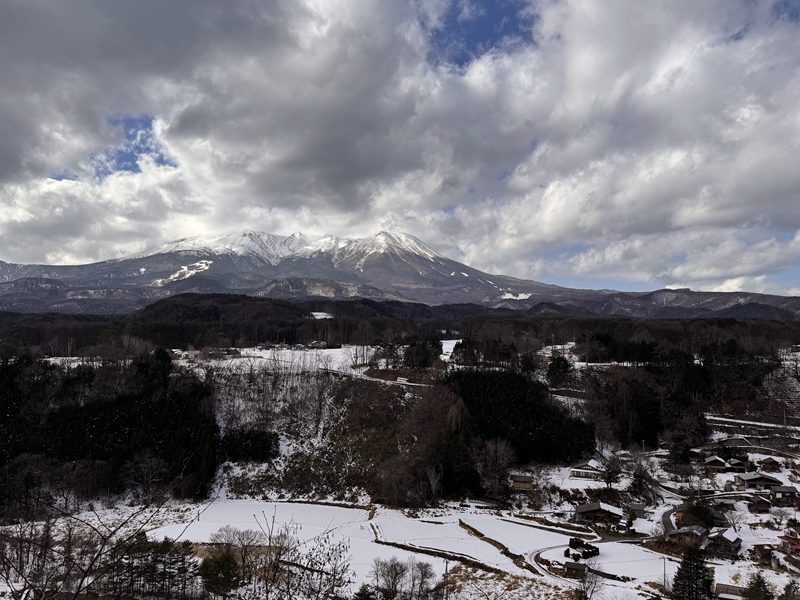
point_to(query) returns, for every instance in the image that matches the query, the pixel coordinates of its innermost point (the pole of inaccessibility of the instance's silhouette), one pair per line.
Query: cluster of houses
(758, 488)
(767, 491)
(722, 542)
(715, 464)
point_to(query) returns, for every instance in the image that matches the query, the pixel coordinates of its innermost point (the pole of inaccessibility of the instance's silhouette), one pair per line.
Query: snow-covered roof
(757, 498)
(730, 535)
(600, 506)
(756, 475)
(695, 529)
(592, 464)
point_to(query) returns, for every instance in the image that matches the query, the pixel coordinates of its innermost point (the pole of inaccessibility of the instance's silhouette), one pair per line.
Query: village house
(724, 503)
(522, 482)
(574, 570)
(724, 544)
(756, 481)
(638, 510)
(715, 464)
(720, 520)
(726, 591)
(790, 540)
(783, 495)
(588, 469)
(762, 553)
(737, 466)
(770, 465)
(693, 535)
(598, 512)
(759, 505)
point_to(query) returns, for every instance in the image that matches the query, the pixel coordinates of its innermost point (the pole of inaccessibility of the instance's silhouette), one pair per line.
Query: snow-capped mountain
(265, 246)
(382, 266)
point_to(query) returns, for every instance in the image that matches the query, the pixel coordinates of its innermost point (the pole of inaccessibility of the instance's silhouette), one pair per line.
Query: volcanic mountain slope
(388, 266)
(385, 265)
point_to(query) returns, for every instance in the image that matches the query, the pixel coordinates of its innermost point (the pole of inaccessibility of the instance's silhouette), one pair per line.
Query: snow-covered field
(449, 531)
(439, 532)
(312, 520)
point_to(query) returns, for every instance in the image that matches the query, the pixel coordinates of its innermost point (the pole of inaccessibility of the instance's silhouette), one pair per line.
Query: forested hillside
(129, 420)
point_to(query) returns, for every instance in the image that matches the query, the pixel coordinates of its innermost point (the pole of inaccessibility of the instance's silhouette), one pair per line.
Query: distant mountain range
(388, 266)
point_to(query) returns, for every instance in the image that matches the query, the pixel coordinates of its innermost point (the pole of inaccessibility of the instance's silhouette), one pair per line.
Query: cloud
(651, 142)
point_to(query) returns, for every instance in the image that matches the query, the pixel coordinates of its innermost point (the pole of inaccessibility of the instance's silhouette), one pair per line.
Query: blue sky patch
(504, 175)
(473, 27)
(65, 174)
(139, 141)
(788, 10)
(789, 276)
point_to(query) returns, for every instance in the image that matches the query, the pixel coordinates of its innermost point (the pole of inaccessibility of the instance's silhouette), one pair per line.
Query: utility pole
(446, 582)
(664, 558)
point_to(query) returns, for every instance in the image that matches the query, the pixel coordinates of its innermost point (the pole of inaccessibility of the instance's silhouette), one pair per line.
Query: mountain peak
(384, 240)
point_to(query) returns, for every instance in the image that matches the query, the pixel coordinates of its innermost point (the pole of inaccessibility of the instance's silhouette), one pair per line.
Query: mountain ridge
(384, 266)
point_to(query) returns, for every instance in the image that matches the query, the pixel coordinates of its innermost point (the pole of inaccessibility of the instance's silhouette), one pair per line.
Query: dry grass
(470, 583)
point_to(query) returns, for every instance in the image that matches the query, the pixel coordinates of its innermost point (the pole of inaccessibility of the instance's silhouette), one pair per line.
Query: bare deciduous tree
(146, 474)
(66, 555)
(492, 460)
(410, 580)
(592, 584)
(288, 568)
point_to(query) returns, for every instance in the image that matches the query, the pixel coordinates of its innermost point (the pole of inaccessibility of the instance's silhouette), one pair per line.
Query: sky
(616, 144)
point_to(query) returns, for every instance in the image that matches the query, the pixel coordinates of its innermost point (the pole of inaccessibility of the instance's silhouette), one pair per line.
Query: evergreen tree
(757, 589)
(791, 591)
(613, 473)
(692, 581)
(220, 574)
(365, 592)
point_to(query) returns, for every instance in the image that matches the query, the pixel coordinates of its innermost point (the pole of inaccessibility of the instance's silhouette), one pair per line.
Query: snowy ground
(441, 531)
(628, 560)
(453, 531)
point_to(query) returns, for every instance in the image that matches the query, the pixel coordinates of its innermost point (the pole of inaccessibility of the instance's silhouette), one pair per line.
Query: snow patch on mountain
(185, 272)
(508, 296)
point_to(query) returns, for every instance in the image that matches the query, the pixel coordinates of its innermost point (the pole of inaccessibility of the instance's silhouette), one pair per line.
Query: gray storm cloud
(651, 142)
